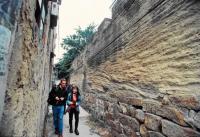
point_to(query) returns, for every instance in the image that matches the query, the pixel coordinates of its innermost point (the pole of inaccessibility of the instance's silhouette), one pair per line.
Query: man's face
(63, 84)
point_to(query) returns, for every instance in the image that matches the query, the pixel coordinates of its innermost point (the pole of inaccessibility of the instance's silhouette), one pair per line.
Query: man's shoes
(60, 135)
(76, 132)
(70, 130)
(56, 131)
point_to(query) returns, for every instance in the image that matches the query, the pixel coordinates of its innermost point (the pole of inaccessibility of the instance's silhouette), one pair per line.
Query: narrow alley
(133, 65)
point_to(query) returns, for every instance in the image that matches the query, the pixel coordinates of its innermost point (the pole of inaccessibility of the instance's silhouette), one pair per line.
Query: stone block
(152, 122)
(131, 111)
(104, 132)
(130, 122)
(171, 113)
(138, 134)
(193, 119)
(123, 98)
(165, 100)
(116, 134)
(115, 125)
(109, 116)
(143, 131)
(171, 129)
(155, 134)
(197, 120)
(151, 106)
(189, 101)
(139, 115)
(129, 132)
(135, 101)
(123, 108)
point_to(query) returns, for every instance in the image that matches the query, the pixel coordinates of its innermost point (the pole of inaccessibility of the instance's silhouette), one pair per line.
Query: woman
(73, 102)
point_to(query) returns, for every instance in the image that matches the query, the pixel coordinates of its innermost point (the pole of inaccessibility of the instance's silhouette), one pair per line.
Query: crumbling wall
(29, 73)
(9, 12)
(141, 75)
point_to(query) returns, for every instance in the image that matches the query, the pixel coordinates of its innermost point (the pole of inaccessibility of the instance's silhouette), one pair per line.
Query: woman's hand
(71, 103)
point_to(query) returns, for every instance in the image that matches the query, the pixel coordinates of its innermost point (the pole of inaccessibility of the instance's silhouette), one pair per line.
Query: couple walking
(59, 96)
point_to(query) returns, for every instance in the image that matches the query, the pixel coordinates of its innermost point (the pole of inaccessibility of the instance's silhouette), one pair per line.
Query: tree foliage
(74, 45)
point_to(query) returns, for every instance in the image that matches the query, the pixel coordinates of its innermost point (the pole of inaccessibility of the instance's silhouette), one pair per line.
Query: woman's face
(74, 90)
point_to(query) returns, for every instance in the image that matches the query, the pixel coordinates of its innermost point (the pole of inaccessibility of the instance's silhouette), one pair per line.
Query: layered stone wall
(28, 67)
(140, 75)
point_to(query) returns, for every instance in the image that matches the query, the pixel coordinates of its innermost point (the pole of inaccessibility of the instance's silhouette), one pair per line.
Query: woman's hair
(78, 92)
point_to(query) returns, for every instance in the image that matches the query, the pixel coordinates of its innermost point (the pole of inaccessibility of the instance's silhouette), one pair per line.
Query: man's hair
(63, 80)
(67, 78)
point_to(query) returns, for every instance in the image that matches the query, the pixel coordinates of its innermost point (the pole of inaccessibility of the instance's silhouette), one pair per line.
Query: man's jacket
(57, 92)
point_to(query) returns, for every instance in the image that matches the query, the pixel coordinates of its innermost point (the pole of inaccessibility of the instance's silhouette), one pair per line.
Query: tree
(74, 45)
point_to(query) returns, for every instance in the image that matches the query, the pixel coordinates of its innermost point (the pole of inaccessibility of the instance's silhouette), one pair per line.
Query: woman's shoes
(70, 130)
(76, 132)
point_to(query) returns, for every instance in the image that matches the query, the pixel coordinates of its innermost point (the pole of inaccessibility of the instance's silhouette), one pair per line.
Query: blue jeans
(58, 112)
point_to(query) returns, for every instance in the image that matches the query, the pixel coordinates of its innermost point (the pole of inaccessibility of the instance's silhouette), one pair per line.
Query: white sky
(74, 13)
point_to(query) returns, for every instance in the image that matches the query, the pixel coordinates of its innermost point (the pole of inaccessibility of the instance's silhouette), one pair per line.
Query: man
(58, 97)
(68, 90)
(68, 86)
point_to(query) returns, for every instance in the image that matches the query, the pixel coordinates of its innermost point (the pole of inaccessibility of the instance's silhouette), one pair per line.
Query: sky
(75, 13)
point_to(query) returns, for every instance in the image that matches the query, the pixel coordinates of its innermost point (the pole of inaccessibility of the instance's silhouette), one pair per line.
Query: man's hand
(62, 98)
(57, 98)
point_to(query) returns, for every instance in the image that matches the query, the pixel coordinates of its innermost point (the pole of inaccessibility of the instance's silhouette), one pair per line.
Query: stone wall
(29, 67)
(140, 75)
(7, 32)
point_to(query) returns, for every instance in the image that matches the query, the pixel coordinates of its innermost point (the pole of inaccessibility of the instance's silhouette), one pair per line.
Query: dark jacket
(57, 92)
(69, 89)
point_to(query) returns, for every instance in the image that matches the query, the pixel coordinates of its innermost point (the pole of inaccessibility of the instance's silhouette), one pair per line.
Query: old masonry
(27, 42)
(139, 77)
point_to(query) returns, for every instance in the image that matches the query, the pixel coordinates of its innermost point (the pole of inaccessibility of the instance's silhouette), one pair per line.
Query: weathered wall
(29, 73)
(140, 75)
(7, 33)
